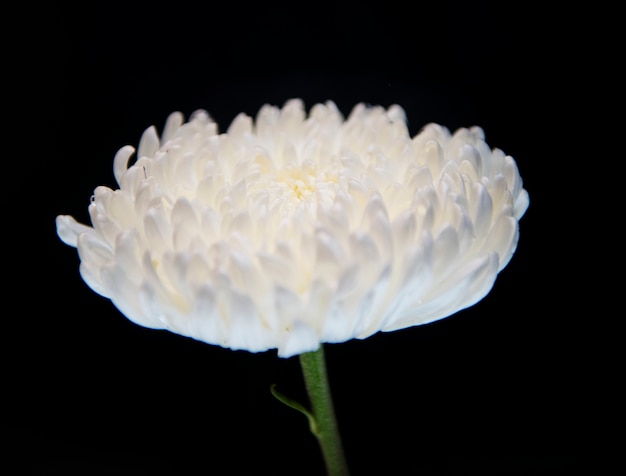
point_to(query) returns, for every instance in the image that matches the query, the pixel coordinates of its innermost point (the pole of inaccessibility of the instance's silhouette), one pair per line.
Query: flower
(297, 228)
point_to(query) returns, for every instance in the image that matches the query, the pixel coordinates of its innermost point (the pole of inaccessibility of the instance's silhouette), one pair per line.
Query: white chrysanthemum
(295, 229)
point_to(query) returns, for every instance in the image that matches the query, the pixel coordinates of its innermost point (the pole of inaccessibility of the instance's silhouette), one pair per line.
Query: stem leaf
(290, 402)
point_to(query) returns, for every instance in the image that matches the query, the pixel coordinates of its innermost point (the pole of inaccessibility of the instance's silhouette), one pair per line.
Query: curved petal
(120, 162)
(69, 229)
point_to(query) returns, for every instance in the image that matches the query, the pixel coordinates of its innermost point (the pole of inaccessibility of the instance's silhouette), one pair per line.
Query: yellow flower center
(299, 184)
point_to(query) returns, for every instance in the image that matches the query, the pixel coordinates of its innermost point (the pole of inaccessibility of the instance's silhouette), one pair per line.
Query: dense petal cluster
(294, 228)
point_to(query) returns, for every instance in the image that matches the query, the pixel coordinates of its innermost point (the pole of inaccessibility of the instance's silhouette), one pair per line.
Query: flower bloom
(299, 228)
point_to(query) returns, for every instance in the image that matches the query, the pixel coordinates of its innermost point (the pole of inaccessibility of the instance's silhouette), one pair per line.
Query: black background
(524, 382)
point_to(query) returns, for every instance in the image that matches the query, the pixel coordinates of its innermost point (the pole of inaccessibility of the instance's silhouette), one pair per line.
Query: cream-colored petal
(301, 338)
(92, 275)
(172, 124)
(69, 229)
(124, 293)
(104, 225)
(246, 329)
(149, 143)
(93, 250)
(120, 162)
(521, 204)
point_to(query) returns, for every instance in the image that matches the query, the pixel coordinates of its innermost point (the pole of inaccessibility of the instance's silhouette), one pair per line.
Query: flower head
(294, 229)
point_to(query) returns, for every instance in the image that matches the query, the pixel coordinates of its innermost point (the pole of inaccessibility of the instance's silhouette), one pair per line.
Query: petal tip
(68, 229)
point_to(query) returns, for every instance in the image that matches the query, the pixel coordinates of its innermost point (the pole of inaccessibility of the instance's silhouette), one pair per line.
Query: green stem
(326, 429)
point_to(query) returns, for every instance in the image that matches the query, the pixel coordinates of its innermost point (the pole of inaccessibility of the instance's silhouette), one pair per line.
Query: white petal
(277, 269)
(93, 250)
(482, 213)
(240, 126)
(120, 162)
(512, 175)
(149, 143)
(471, 162)
(93, 278)
(395, 112)
(205, 322)
(124, 294)
(434, 157)
(151, 307)
(172, 123)
(246, 330)
(459, 290)
(329, 255)
(301, 338)
(288, 305)
(503, 238)
(446, 251)
(336, 326)
(372, 310)
(184, 223)
(127, 256)
(69, 229)
(104, 225)
(158, 230)
(464, 288)
(521, 204)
